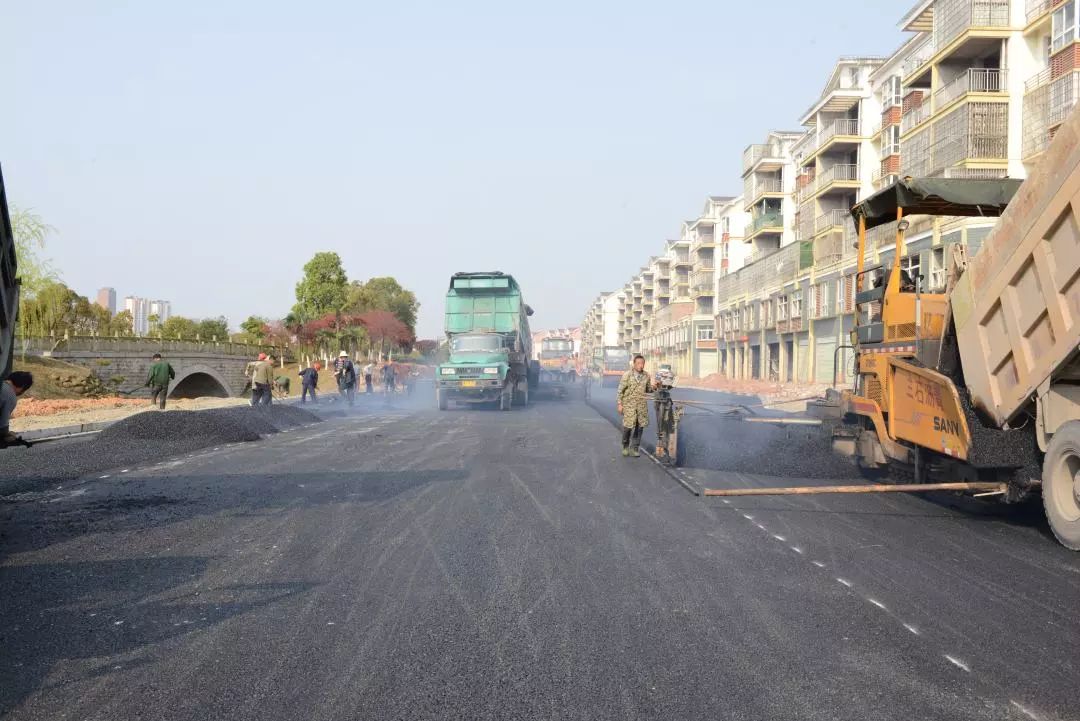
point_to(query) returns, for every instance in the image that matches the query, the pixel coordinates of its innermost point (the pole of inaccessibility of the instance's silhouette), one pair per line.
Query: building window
(796, 305)
(890, 141)
(1064, 26)
(891, 93)
(937, 270)
(706, 332)
(781, 308)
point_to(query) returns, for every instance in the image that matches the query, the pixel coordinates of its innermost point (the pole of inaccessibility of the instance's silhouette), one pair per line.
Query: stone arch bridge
(203, 368)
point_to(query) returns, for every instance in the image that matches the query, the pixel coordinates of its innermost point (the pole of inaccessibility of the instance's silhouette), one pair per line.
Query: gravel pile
(142, 438)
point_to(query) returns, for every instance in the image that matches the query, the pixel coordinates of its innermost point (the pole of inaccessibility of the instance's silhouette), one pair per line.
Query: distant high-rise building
(140, 313)
(162, 309)
(106, 298)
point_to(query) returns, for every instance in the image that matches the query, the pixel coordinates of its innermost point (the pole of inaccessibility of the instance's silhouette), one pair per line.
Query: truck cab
(477, 370)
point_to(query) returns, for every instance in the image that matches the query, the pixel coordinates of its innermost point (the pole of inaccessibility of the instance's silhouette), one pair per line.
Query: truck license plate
(468, 384)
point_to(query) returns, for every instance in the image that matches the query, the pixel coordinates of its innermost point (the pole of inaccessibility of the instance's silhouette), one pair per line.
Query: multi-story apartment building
(682, 331)
(162, 309)
(768, 186)
(976, 92)
(1051, 91)
(600, 328)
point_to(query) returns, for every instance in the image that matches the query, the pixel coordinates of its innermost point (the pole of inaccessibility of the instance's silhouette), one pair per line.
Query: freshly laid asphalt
(404, 563)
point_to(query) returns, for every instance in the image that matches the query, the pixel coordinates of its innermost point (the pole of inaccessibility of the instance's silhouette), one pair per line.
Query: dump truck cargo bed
(1017, 306)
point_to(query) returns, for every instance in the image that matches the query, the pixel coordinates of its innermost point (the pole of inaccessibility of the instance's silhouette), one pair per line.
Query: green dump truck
(489, 345)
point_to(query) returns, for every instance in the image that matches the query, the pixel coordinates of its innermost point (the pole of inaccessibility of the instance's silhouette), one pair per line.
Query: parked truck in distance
(609, 365)
(489, 346)
(556, 358)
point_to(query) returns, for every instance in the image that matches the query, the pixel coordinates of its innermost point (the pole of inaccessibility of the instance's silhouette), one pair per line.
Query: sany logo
(947, 426)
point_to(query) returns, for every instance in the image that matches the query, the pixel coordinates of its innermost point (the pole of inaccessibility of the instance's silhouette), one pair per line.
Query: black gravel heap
(142, 438)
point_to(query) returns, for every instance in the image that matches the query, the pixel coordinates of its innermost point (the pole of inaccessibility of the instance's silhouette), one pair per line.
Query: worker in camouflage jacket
(633, 406)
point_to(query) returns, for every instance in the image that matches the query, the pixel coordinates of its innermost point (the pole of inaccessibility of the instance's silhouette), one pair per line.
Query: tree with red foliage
(385, 329)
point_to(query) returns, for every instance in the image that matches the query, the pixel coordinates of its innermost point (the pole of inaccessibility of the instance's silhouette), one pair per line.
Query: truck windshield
(619, 356)
(557, 345)
(476, 344)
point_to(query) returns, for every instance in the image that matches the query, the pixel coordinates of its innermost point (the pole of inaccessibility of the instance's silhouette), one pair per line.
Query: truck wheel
(1061, 485)
(440, 397)
(506, 400)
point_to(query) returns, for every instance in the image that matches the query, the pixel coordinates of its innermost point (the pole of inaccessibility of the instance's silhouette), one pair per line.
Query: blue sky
(202, 152)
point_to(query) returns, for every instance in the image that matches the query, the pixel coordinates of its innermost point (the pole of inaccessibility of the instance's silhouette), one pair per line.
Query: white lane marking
(958, 663)
(105, 476)
(796, 549)
(1025, 711)
(779, 538)
(125, 470)
(877, 603)
(761, 526)
(844, 581)
(747, 516)
(911, 628)
(726, 502)
(819, 564)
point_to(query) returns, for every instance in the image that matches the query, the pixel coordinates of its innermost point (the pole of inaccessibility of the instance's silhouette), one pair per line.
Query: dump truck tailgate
(1017, 306)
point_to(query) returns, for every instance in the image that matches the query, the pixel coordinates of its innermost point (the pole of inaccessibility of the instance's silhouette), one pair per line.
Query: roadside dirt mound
(55, 379)
(30, 407)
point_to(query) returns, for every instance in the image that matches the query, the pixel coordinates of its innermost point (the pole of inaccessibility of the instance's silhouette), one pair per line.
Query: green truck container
(488, 343)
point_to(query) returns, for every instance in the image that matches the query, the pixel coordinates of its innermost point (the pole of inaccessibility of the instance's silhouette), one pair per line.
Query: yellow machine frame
(907, 405)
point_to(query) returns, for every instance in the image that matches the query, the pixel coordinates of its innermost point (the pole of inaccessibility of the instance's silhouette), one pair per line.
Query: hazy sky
(202, 151)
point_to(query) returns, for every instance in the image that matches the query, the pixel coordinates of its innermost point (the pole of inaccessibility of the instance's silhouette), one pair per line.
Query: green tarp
(936, 196)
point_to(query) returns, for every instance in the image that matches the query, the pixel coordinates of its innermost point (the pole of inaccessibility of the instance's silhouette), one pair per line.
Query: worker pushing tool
(633, 405)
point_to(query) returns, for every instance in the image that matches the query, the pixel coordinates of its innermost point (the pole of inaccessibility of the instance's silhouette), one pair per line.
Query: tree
(322, 289)
(154, 320)
(426, 348)
(210, 328)
(121, 324)
(386, 330)
(383, 294)
(30, 232)
(255, 329)
(177, 326)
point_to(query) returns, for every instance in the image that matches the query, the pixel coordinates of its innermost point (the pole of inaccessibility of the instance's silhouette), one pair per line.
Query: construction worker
(157, 380)
(369, 371)
(345, 373)
(633, 406)
(309, 380)
(10, 390)
(389, 377)
(282, 384)
(262, 381)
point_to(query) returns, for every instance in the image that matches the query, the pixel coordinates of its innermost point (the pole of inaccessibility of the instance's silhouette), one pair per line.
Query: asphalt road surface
(474, 564)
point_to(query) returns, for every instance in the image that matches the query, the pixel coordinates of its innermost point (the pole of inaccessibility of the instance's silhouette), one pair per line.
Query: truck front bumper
(471, 390)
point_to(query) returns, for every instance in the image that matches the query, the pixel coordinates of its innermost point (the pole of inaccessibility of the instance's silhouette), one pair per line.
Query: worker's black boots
(631, 441)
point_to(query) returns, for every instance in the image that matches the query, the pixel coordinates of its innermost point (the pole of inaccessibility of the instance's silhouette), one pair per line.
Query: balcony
(915, 116)
(974, 80)
(703, 285)
(755, 186)
(883, 179)
(956, 150)
(951, 22)
(761, 154)
(1036, 9)
(841, 174)
(773, 222)
(843, 128)
(919, 57)
(833, 219)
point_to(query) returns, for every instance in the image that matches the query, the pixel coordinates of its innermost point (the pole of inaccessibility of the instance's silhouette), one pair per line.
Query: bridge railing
(141, 345)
